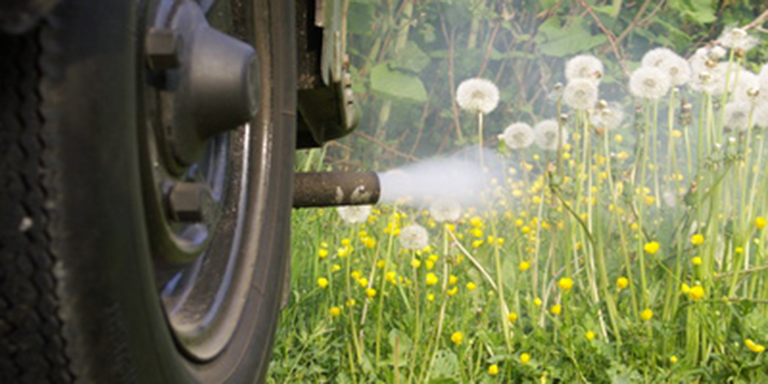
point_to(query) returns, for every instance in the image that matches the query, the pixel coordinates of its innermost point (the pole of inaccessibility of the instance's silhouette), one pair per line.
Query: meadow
(611, 240)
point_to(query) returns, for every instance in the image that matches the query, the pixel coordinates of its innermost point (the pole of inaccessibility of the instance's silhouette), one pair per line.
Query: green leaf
(361, 17)
(411, 58)
(572, 38)
(396, 85)
(445, 368)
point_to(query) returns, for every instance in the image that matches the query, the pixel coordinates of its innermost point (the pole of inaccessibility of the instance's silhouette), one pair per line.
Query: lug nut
(162, 47)
(189, 202)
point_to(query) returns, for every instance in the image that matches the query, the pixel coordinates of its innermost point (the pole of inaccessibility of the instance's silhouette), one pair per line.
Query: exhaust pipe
(330, 189)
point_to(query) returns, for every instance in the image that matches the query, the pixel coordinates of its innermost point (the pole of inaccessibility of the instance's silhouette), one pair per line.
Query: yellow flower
(369, 242)
(618, 138)
(623, 155)
(336, 267)
(453, 291)
(685, 289)
(556, 309)
(322, 282)
(512, 317)
(476, 232)
(432, 279)
(434, 257)
(429, 264)
(457, 337)
(335, 311)
(323, 244)
(565, 283)
(477, 243)
(363, 282)
(537, 302)
(589, 335)
(476, 222)
(739, 250)
(350, 303)
(390, 276)
(673, 359)
(493, 370)
(524, 266)
(646, 315)
(431, 297)
(754, 347)
(526, 229)
(676, 134)
(370, 292)
(696, 292)
(652, 247)
(345, 242)
(344, 251)
(415, 263)
(696, 260)
(622, 282)
(381, 264)
(760, 222)
(525, 358)
(697, 239)
(452, 279)
(356, 275)
(322, 253)
(649, 200)
(471, 286)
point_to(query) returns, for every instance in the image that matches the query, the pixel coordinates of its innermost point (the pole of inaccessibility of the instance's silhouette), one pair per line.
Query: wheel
(132, 248)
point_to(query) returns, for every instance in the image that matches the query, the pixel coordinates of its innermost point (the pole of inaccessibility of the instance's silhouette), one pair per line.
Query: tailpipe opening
(330, 189)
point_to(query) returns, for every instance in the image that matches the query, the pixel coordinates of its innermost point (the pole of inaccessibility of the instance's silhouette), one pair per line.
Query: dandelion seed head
(760, 114)
(607, 117)
(414, 237)
(518, 136)
(649, 83)
(546, 135)
(737, 116)
(737, 39)
(657, 56)
(477, 95)
(710, 80)
(352, 214)
(678, 69)
(580, 94)
(445, 210)
(584, 67)
(747, 88)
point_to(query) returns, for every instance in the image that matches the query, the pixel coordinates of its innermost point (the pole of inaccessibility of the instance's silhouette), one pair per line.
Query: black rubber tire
(78, 301)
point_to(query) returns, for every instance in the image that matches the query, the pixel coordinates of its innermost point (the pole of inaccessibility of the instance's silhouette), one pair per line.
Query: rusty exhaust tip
(330, 189)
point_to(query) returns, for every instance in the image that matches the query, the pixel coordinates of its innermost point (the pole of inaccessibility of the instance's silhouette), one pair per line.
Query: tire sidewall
(113, 323)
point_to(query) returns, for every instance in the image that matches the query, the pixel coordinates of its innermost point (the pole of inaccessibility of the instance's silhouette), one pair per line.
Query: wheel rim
(202, 274)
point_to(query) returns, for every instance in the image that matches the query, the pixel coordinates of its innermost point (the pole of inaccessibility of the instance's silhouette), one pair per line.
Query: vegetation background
(407, 58)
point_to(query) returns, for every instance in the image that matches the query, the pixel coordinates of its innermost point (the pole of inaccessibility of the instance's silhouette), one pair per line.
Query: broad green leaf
(445, 368)
(396, 85)
(566, 40)
(361, 17)
(411, 58)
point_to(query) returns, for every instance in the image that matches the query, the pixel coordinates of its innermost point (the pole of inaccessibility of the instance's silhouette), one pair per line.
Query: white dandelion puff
(676, 67)
(657, 56)
(737, 115)
(518, 136)
(414, 237)
(670, 198)
(649, 83)
(710, 80)
(580, 94)
(352, 214)
(737, 39)
(584, 67)
(477, 95)
(546, 135)
(607, 117)
(445, 210)
(747, 87)
(760, 115)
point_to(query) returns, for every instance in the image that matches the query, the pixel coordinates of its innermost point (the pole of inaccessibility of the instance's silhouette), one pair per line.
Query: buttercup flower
(589, 335)
(584, 67)
(493, 370)
(697, 239)
(652, 247)
(457, 337)
(580, 94)
(334, 311)
(622, 282)
(352, 214)
(518, 136)
(565, 283)
(477, 95)
(649, 83)
(525, 358)
(322, 282)
(646, 315)
(413, 237)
